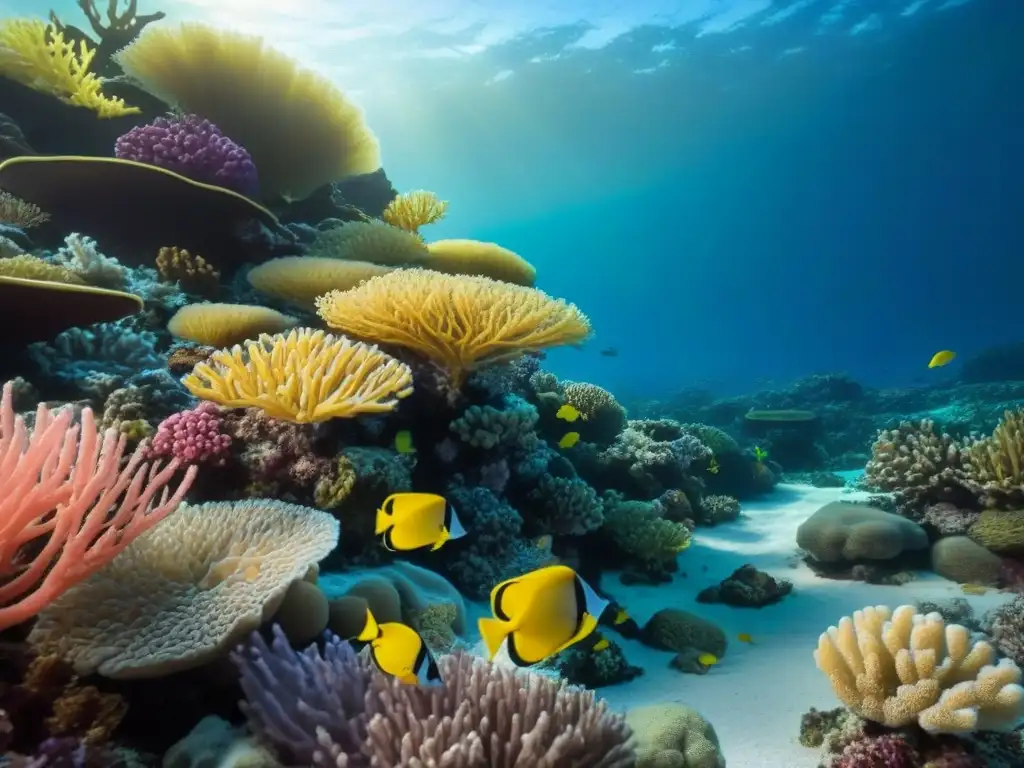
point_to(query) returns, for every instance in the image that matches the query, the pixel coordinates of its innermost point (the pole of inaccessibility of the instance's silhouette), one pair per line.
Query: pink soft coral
(68, 505)
(885, 751)
(193, 436)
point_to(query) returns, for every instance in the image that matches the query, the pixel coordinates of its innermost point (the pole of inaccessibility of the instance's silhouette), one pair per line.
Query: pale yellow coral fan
(35, 54)
(476, 257)
(188, 590)
(458, 322)
(412, 210)
(301, 131)
(221, 325)
(304, 376)
(900, 667)
(16, 212)
(301, 279)
(370, 241)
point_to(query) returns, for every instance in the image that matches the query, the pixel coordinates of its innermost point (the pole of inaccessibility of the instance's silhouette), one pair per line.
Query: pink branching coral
(885, 751)
(193, 436)
(68, 505)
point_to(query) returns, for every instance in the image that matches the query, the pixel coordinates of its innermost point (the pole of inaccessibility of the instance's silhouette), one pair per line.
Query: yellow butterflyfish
(569, 440)
(416, 520)
(601, 645)
(941, 358)
(540, 614)
(399, 651)
(708, 659)
(568, 413)
(403, 442)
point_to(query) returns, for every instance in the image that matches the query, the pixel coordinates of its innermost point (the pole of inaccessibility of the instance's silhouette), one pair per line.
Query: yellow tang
(403, 442)
(569, 440)
(541, 613)
(567, 413)
(416, 520)
(941, 358)
(708, 659)
(399, 651)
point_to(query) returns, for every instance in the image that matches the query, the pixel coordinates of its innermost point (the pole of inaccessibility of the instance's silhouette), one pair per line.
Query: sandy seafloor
(755, 696)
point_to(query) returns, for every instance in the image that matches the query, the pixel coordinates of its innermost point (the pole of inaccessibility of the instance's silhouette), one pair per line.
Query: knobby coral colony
(174, 473)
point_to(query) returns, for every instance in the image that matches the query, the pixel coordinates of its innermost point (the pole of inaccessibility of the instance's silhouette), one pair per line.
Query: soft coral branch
(67, 505)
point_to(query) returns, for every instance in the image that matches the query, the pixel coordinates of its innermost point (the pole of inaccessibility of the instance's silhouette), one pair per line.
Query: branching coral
(566, 506)
(35, 54)
(67, 494)
(15, 212)
(996, 463)
(640, 532)
(306, 376)
(916, 461)
(484, 426)
(412, 210)
(898, 667)
(80, 255)
(655, 454)
(458, 322)
(333, 710)
(191, 272)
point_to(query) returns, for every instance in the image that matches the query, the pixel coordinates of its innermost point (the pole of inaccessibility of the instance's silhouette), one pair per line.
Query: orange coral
(458, 322)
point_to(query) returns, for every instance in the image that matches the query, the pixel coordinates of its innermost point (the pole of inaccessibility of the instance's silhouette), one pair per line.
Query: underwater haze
(734, 190)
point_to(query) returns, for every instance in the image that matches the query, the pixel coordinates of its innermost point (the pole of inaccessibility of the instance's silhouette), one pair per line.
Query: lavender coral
(192, 147)
(194, 436)
(316, 708)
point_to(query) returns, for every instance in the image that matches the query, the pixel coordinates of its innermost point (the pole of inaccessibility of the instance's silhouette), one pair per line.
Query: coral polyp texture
(412, 210)
(72, 501)
(303, 376)
(192, 147)
(901, 667)
(458, 322)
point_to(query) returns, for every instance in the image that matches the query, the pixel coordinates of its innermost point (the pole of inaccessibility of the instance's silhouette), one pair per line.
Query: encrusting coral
(188, 591)
(460, 323)
(304, 376)
(36, 54)
(900, 667)
(69, 506)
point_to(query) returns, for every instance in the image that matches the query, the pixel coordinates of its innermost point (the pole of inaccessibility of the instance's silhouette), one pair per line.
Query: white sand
(755, 696)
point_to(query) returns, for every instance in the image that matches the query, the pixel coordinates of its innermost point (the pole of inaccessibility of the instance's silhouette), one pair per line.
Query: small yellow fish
(568, 413)
(541, 613)
(399, 651)
(403, 442)
(601, 645)
(569, 440)
(941, 358)
(416, 520)
(620, 617)
(973, 589)
(708, 659)
(743, 637)
(713, 466)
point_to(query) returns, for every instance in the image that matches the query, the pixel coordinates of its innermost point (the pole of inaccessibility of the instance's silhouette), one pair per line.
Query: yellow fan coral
(372, 241)
(35, 54)
(458, 322)
(412, 210)
(475, 257)
(300, 279)
(18, 213)
(221, 325)
(301, 131)
(305, 376)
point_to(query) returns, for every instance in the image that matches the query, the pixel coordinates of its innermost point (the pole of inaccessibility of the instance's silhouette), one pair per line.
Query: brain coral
(188, 590)
(843, 531)
(674, 736)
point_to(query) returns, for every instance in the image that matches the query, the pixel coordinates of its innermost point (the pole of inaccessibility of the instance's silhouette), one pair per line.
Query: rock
(842, 531)
(747, 587)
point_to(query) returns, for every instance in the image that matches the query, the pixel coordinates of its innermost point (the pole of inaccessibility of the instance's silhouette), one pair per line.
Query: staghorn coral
(487, 427)
(995, 464)
(82, 257)
(300, 130)
(412, 210)
(460, 323)
(192, 273)
(334, 710)
(222, 325)
(181, 596)
(305, 376)
(77, 503)
(15, 212)
(900, 667)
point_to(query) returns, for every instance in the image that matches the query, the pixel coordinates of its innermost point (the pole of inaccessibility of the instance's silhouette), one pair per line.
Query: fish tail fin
(494, 633)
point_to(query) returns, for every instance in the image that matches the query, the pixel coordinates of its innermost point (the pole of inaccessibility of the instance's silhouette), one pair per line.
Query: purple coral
(193, 147)
(194, 436)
